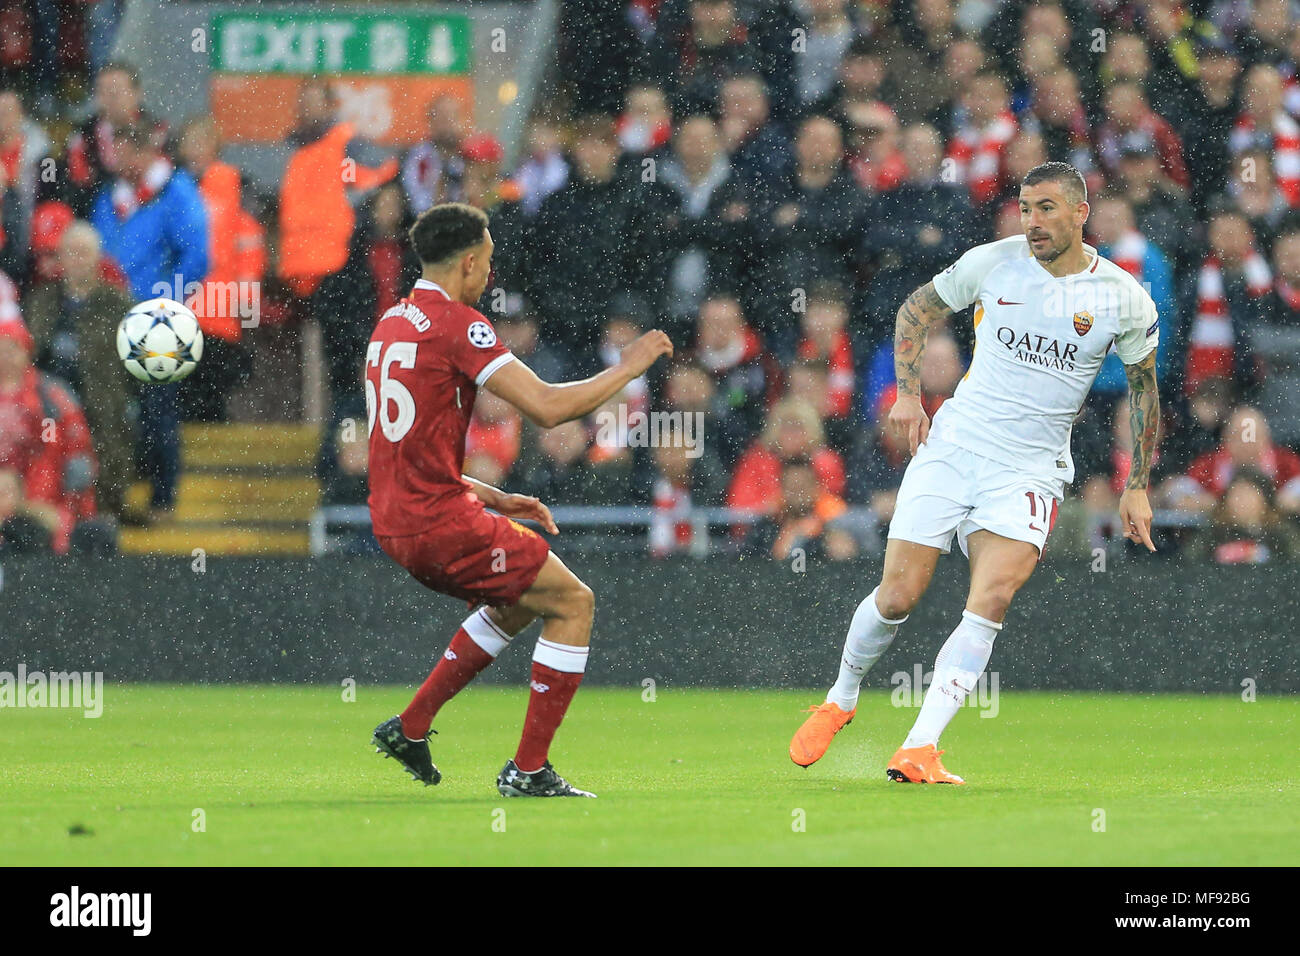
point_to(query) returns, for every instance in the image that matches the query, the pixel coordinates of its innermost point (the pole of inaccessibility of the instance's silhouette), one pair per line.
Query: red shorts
(478, 557)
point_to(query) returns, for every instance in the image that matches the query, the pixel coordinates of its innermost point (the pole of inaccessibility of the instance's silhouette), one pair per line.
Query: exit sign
(367, 44)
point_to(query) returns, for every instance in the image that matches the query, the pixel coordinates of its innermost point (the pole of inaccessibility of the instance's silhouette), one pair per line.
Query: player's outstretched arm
(1144, 419)
(923, 308)
(547, 405)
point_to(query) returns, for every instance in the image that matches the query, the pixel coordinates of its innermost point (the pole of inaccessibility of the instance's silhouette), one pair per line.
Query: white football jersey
(1039, 343)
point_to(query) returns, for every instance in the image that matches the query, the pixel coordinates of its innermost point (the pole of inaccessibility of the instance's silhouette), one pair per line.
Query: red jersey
(426, 359)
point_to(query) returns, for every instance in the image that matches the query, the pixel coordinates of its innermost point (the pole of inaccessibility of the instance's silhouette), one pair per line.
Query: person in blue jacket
(154, 225)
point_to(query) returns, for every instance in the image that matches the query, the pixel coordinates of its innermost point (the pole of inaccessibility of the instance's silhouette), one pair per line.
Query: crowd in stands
(766, 180)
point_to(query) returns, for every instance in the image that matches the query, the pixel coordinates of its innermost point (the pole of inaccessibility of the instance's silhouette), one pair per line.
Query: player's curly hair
(444, 231)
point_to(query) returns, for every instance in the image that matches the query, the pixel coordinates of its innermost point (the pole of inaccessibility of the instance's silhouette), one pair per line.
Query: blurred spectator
(544, 168)
(1254, 191)
(1230, 297)
(597, 235)
(1101, 492)
(964, 61)
(874, 155)
(706, 226)
(732, 354)
(645, 125)
(915, 230)
(1112, 227)
(26, 527)
(91, 154)
(1161, 212)
(1265, 125)
(757, 146)
(319, 259)
(554, 465)
(825, 338)
(151, 220)
(43, 435)
(431, 169)
(1246, 526)
(829, 28)
(1210, 116)
(809, 519)
(813, 225)
(492, 442)
(941, 372)
(793, 431)
(23, 143)
(695, 56)
(516, 325)
(1197, 431)
(74, 327)
(984, 127)
(342, 470)
(1246, 443)
(1057, 112)
(925, 31)
(1274, 343)
(1130, 118)
(237, 250)
(49, 219)
(860, 78)
(385, 250)
(680, 482)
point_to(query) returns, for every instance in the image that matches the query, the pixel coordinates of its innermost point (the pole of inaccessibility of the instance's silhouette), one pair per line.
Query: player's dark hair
(447, 230)
(1076, 190)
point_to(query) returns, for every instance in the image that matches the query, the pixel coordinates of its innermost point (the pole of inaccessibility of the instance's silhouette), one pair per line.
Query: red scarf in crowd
(1212, 344)
(128, 197)
(978, 154)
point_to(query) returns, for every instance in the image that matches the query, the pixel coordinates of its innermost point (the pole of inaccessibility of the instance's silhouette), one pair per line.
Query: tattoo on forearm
(922, 309)
(1144, 418)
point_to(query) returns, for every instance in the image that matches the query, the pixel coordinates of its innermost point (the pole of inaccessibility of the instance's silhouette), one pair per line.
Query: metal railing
(711, 527)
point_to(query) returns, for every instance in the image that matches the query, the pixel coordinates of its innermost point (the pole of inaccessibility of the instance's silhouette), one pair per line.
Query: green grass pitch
(285, 776)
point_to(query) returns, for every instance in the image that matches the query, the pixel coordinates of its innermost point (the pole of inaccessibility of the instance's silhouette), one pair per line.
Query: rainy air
(649, 433)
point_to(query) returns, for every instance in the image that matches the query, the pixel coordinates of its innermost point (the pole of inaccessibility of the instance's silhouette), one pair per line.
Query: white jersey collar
(432, 286)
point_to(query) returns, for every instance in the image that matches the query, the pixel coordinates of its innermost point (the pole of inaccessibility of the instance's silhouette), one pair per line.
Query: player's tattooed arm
(1144, 418)
(923, 308)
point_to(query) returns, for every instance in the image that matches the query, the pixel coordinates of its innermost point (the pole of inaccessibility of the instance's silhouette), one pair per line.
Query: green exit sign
(367, 44)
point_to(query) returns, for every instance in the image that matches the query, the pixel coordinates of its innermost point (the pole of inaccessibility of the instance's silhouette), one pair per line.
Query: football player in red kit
(427, 358)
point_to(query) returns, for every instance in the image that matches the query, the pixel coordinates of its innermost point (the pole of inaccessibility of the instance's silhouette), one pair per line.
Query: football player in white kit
(992, 468)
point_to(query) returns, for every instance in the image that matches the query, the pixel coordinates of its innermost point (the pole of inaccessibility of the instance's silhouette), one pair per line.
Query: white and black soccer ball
(159, 341)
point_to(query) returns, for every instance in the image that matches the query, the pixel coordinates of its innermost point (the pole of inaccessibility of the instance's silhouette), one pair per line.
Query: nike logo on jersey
(1002, 301)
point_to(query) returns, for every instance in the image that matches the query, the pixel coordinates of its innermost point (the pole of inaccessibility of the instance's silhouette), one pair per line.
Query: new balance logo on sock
(540, 687)
(449, 654)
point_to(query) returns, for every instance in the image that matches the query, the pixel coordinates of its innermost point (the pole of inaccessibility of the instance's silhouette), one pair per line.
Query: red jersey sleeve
(474, 349)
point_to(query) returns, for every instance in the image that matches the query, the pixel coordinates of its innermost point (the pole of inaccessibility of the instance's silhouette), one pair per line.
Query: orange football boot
(920, 765)
(811, 740)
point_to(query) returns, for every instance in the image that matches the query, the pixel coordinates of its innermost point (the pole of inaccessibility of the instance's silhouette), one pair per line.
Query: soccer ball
(159, 341)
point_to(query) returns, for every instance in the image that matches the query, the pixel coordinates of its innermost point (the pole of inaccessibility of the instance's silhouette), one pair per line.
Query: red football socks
(461, 663)
(552, 691)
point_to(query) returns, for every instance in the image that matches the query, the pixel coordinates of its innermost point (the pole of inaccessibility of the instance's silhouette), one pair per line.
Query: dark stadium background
(765, 180)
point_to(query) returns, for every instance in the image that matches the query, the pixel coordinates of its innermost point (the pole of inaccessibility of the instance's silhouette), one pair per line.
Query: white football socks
(869, 636)
(957, 668)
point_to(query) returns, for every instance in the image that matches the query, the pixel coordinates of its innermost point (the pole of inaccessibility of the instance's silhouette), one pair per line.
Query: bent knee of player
(579, 602)
(896, 597)
(992, 599)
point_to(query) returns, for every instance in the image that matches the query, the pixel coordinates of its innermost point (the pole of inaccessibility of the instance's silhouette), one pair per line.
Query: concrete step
(182, 539)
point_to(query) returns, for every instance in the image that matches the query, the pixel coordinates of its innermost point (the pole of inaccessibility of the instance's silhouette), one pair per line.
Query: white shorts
(948, 490)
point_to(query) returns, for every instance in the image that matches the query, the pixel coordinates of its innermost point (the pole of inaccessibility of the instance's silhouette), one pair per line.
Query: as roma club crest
(1082, 322)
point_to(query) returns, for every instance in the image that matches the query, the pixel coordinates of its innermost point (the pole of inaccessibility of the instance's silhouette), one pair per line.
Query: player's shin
(476, 645)
(869, 636)
(957, 668)
(557, 671)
